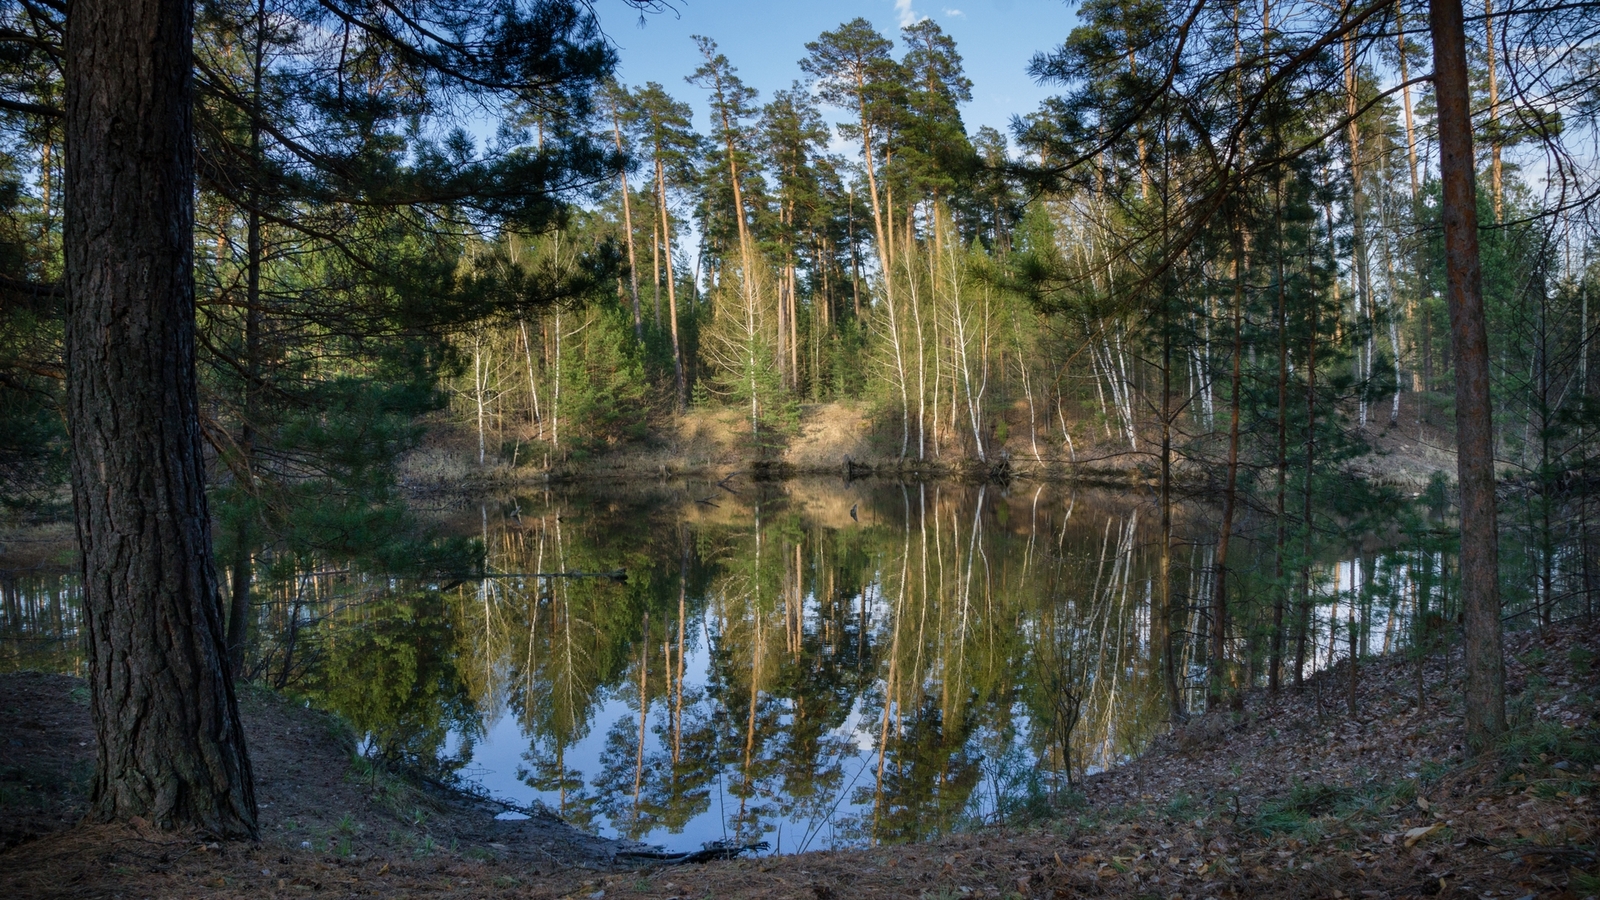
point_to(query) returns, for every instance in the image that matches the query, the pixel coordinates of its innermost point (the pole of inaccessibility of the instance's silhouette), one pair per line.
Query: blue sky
(765, 42)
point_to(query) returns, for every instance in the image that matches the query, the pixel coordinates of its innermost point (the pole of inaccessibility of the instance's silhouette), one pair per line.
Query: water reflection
(41, 620)
(775, 668)
(806, 663)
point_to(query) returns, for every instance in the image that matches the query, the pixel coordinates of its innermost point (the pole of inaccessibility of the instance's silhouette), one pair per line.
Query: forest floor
(1292, 797)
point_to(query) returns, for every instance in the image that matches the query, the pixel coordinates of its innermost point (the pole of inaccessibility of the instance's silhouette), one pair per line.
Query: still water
(812, 664)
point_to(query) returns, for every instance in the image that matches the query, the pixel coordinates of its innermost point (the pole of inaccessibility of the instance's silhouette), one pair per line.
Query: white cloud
(955, 14)
(908, 16)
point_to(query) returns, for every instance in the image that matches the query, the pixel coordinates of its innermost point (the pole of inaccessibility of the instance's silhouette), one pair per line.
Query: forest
(1304, 279)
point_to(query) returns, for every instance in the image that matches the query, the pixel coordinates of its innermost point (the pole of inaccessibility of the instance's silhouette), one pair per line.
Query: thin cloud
(955, 14)
(908, 16)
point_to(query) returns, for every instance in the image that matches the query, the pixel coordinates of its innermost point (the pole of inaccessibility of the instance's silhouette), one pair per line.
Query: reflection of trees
(948, 662)
(928, 774)
(744, 603)
(392, 673)
(786, 669)
(1094, 689)
(641, 794)
(566, 640)
(41, 620)
(862, 671)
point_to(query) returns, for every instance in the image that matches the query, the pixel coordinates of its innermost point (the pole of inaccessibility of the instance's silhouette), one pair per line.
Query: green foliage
(394, 679)
(33, 451)
(609, 398)
(1297, 811)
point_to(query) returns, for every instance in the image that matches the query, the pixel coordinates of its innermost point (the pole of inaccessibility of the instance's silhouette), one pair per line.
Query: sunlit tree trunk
(1360, 285)
(885, 260)
(627, 224)
(922, 367)
(682, 392)
(655, 268)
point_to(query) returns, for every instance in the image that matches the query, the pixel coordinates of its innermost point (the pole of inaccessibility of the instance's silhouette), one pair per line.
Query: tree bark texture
(169, 747)
(1161, 620)
(1480, 584)
(1219, 597)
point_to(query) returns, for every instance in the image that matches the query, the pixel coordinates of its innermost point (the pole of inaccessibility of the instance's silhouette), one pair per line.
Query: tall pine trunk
(1219, 598)
(169, 747)
(681, 392)
(885, 262)
(239, 607)
(1280, 587)
(1495, 188)
(1480, 563)
(627, 225)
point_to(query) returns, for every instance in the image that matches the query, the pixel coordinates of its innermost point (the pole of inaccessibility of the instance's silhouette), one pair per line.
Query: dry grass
(843, 437)
(49, 546)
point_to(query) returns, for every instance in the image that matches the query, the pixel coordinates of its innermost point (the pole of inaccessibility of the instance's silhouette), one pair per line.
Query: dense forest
(1230, 240)
(1217, 256)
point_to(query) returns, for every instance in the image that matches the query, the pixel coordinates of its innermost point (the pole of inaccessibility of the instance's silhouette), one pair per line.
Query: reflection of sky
(498, 755)
(502, 750)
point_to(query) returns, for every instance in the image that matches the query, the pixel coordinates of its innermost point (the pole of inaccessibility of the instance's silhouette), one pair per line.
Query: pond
(808, 663)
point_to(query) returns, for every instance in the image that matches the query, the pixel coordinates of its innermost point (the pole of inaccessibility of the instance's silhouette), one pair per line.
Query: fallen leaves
(1417, 834)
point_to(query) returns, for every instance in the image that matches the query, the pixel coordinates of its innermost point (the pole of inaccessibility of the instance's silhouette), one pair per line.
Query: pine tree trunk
(1360, 287)
(1480, 565)
(1219, 598)
(1161, 620)
(1303, 617)
(680, 392)
(1494, 113)
(885, 261)
(168, 741)
(1280, 588)
(627, 227)
(655, 268)
(747, 273)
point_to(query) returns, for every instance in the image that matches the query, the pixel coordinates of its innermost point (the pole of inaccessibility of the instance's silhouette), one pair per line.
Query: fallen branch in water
(710, 851)
(614, 575)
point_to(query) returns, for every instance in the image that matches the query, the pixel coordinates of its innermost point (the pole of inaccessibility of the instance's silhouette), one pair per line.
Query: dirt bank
(1293, 798)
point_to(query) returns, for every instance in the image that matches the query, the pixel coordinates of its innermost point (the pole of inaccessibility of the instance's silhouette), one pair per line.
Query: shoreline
(839, 440)
(1291, 798)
